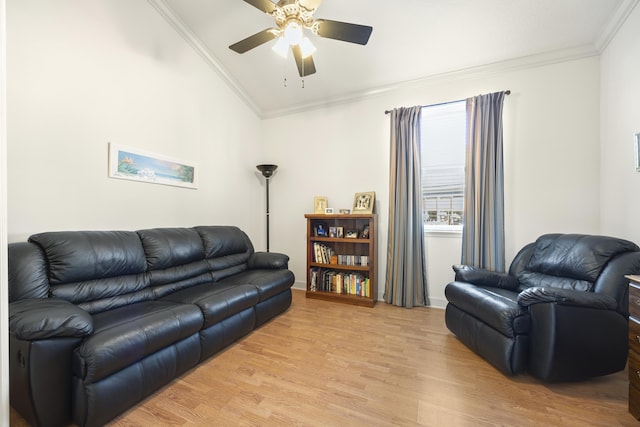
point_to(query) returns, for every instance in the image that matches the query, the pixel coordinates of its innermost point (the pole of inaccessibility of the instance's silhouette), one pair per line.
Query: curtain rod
(506, 92)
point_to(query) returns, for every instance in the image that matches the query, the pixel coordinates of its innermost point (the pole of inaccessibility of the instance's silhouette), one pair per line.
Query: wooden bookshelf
(350, 276)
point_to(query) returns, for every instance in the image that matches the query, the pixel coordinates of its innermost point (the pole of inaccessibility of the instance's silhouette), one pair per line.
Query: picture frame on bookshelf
(320, 203)
(351, 234)
(328, 211)
(345, 211)
(320, 229)
(333, 232)
(339, 232)
(364, 234)
(363, 202)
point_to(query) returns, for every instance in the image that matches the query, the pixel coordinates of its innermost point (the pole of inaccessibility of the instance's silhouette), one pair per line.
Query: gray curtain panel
(483, 224)
(406, 281)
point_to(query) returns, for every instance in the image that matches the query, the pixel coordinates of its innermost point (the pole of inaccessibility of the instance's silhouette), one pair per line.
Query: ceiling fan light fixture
(293, 33)
(292, 18)
(306, 47)
(281, 47)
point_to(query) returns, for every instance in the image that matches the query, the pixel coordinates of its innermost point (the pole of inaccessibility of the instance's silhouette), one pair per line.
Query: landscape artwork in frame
(363, 202)
(137, 165)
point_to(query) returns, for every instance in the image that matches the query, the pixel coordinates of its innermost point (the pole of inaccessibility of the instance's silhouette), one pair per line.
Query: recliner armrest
(485, 278)
(40, 318)
(268, 261)
(540, 294)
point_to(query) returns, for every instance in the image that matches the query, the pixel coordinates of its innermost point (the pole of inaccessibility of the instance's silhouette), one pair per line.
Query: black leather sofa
(560, 313)
(101, 319)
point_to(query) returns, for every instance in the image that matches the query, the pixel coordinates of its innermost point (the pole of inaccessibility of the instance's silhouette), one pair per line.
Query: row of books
(327, 280)
(362, 260)
(323, 254)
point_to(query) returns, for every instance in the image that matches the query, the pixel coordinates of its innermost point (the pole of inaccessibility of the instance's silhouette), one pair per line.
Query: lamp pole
(267, 172)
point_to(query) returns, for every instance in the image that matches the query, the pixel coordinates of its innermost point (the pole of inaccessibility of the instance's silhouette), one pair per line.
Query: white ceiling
(411, 40)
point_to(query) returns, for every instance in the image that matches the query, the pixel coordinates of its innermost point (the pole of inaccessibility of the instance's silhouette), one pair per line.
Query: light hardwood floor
(329, 364)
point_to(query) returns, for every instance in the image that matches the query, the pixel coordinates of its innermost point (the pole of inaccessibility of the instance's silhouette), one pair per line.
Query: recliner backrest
(27, 271)
(175, 259)
(227, 249)
(573, 261)
(96, 270)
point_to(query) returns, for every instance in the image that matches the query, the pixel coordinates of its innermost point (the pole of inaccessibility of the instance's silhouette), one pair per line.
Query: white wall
(82, 73)
(551, 125)
(620, 112)
(4, 287)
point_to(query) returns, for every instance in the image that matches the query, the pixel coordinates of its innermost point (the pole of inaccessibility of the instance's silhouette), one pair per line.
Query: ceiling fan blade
(253, 41)
(344, 31)
(305, 65)
(310, 4)
(264, 5)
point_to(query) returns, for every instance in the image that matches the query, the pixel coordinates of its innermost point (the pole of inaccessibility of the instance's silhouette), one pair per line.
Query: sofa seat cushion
(217, 300)
(494, 306)
(268, 282)
(130, 333)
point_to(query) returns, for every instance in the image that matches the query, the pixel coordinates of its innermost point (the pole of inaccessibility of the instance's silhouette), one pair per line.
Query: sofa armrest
(268, 261)
(485, 278)
(541, 294)
(40, 318)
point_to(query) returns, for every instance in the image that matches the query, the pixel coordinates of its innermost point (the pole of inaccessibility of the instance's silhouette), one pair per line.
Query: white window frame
(445, 108)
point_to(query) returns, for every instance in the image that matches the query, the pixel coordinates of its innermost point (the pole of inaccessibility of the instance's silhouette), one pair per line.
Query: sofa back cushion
(227, 249)
(27, 272)
(170, 247)
(573, 261)
(97, 270)
(175, 259)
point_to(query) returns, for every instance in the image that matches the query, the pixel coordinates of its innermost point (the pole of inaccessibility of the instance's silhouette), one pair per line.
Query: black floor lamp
(267, 172)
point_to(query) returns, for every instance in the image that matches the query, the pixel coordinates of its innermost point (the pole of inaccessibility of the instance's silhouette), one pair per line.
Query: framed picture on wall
(138, 165)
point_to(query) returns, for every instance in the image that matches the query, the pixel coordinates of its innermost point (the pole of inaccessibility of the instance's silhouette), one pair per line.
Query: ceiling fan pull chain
(302, 83)
(285, 82)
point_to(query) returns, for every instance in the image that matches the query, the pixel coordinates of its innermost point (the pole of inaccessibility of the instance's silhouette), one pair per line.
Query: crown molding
(525, 62)
(189, 36)
(529, 61)
(613, 25)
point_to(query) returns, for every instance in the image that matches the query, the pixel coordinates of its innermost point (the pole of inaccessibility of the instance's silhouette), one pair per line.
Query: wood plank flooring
(329, 364)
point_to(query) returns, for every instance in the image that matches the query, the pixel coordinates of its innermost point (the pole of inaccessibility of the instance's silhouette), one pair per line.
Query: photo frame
(351, 234)
(320, 229)
(138, 165)
(320, 204)
(345, 211)
(364, 234)
(328, 211)
(363, 202)
(636, 146)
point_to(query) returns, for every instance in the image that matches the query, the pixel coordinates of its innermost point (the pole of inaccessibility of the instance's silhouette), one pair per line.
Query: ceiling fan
(292, 17)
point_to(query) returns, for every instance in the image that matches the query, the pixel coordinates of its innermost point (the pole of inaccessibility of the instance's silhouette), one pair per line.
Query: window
(443, 129)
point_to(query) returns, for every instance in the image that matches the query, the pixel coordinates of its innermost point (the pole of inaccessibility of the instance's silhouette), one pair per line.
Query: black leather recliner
(560, 313)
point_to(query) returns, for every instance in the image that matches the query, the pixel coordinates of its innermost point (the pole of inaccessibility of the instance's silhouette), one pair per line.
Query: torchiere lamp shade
(267, 170)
